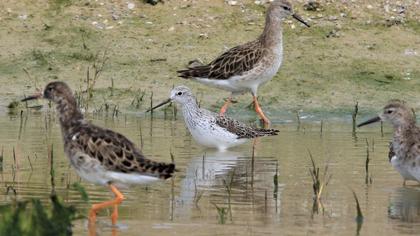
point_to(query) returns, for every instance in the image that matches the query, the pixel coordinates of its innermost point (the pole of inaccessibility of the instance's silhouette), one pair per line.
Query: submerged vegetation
(24, 218)
(359, 218)
(319, 183)
(221, 213)
(34, 218)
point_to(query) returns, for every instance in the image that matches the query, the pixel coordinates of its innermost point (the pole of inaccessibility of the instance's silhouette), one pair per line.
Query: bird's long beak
(35, 96)
(298, 18)
(370, 121)
(160, 104)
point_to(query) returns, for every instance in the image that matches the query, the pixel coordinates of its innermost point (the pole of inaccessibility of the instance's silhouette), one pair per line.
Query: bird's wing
(233, 62)
(241, 129)
(115, 152)
(413, 140)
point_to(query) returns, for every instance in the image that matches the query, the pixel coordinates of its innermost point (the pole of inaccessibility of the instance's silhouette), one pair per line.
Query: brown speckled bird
(245, 67)
(100, 155)
(404, 152)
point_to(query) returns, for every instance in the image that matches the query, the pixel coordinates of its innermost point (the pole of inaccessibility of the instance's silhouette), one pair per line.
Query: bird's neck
(271, 37)
(69, 113)
(405, 127)
(190, 111)
(404, 136)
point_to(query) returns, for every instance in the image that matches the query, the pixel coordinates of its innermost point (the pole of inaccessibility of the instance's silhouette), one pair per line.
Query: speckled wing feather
(391, 152)
(411, 146)
(235, 61)
(116, 153)
(242, 130)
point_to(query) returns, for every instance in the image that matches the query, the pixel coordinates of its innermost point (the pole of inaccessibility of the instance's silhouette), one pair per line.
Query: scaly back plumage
(115, 152)
(235, 61)
(242, 130)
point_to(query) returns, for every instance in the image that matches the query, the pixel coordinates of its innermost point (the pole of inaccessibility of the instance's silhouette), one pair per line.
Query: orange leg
(92, 229)
(260, 112)
(114, 215)
(225, 106)
(96, 207)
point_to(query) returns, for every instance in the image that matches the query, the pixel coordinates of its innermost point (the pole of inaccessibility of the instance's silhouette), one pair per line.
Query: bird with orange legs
(100, 156)
(245, 67)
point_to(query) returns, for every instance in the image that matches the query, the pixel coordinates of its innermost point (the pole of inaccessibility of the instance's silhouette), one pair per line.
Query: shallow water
(186, 204)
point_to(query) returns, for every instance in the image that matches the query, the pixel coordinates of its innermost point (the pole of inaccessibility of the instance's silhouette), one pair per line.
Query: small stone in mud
(154, 2)
(312, 6)
(410, 52)
(332, 18)
(232, 3)
(130, 6)
(394, 21)
(115, 16)
(333, 34)
(261, 2)
(23, 17)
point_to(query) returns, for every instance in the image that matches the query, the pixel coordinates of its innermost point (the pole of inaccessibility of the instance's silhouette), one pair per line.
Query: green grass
(41, 58)
(33, 218)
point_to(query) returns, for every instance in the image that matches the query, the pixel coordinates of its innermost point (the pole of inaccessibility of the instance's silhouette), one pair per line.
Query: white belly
(405, 169)
(117, 178)
(213, 136)
(91, 170)
(249, 81)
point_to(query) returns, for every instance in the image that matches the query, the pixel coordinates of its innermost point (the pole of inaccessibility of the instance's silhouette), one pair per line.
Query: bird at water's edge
(245, 67)
(404, 153)
(211, 129)
(100, 156)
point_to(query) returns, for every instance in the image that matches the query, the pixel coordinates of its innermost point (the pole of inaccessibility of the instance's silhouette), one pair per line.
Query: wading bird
(245, 67)
(211, 129)
(100, 156)
(405, 144)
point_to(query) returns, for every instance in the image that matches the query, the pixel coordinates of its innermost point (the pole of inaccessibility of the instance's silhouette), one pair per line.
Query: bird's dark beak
(35, 96)
(370, 121)
(160, 104)
(298, 18)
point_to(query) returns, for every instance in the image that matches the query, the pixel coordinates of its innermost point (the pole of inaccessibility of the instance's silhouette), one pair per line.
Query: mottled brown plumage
(242, 130)
(235, 61)
(114, 151)
(404, 150)
(100, 155)
(245, 67)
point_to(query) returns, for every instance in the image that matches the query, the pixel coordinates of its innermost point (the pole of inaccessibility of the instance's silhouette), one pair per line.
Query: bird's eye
(389, 111)
(49, 89)
(179, 93)
(286, 8)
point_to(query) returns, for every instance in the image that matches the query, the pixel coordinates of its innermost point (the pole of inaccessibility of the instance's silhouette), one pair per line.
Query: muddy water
(187, 204)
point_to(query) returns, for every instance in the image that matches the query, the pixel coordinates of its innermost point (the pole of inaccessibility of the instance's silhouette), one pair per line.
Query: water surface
(187, 204)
